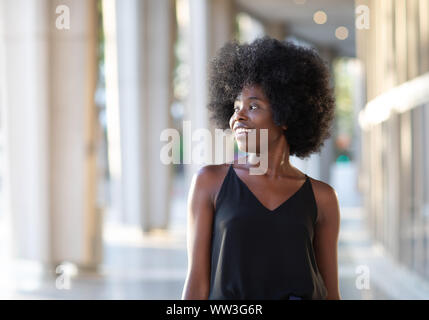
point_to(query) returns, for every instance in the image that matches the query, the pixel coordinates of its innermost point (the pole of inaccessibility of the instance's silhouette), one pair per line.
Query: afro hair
(295, 80)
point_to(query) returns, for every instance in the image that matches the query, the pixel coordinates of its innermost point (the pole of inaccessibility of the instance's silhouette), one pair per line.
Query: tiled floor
(353, 238)
(387, 279)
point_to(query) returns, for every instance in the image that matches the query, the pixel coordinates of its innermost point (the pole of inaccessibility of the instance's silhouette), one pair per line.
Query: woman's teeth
(242, 130)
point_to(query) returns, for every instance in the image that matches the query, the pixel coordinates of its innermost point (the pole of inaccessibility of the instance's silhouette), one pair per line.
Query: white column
(158, 46)
(196, 111)
(76, 222)
(130, 103)
(211, 26)
(112, 109)
(24, 35)
(124, 104)
(49, 86)
(139, 48)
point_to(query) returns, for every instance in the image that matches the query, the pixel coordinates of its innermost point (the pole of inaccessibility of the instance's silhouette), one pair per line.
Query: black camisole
(257, 253)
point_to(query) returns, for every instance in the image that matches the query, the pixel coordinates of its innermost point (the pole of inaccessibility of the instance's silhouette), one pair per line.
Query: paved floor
(353, 238)
(357, 255)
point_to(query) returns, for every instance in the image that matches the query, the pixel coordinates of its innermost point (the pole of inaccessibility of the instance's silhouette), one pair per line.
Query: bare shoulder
(209, 178)
(207, 175)
(326, 200)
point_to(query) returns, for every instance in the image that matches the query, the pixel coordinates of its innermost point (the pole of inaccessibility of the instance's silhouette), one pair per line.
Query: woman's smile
(242, 132)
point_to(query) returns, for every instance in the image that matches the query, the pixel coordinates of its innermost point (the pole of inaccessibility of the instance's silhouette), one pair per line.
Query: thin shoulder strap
(224, 185)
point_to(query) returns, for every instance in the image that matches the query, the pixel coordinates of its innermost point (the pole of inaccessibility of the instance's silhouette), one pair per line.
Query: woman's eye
(252, 107)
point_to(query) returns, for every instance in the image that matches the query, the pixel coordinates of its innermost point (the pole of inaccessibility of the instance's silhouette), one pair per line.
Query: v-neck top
(258, 253)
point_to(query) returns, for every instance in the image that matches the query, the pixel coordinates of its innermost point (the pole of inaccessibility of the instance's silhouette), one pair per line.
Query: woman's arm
(199, 225)
(325, 241)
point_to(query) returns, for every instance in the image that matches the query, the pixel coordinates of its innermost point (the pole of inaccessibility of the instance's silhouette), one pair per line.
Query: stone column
(211, 26)
(76, 221)
(122, 30)
(158, 46)
(25, 41)
(50, 80)
(139, 57)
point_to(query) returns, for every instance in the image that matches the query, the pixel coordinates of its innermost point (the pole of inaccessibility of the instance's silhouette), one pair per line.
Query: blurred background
(89, 211)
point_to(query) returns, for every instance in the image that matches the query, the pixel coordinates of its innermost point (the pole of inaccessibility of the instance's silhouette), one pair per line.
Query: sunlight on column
(112, 95)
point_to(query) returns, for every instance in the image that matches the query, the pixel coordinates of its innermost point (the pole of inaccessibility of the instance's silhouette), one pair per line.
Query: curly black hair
(295, 80)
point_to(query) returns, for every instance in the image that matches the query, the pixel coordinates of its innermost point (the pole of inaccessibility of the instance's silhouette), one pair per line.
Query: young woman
(275, 235)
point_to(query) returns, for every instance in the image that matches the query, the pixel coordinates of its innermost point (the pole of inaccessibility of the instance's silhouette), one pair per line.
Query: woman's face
(252, 110)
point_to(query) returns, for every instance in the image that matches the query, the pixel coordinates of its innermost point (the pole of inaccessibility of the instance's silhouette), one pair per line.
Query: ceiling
(298, 19)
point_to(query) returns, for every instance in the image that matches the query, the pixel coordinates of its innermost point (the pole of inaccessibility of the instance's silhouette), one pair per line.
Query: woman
(275, 235)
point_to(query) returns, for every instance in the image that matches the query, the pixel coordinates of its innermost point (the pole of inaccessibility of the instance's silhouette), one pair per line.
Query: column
(139, 60)
(211, 26)
(50, 80)
(75, 219)
(158, 47)
(25, 43)
(122, 30)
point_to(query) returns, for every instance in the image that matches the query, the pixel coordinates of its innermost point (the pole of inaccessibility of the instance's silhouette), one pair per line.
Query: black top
(257, 253)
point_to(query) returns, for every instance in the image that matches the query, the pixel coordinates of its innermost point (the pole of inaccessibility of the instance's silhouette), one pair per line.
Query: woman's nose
(241, 113)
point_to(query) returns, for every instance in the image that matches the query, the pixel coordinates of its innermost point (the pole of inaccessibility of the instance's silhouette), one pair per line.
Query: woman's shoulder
(212, 171)
(210, 178)
(326, 197)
